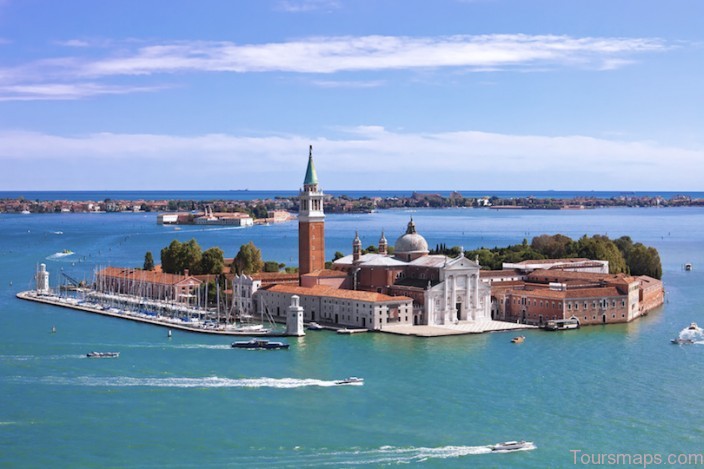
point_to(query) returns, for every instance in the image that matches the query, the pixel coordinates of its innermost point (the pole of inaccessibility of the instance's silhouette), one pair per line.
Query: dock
(64, 303)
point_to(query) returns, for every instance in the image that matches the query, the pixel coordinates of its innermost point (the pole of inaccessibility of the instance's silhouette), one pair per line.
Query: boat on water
(259, 344)
(688, 267)
(562, 324)
(681, 341)
(103, 354)
(519, 339)
(693, 327)
(350, 380)
(314, 326)
(510, 445)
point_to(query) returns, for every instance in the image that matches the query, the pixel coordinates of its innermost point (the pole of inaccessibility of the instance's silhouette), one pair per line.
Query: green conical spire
(311, 175)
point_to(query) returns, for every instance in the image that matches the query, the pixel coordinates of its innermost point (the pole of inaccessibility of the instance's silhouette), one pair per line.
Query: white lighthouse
(294, 318)
(42, 279)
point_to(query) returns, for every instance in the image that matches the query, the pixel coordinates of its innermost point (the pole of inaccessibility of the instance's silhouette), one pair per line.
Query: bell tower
(311, 222)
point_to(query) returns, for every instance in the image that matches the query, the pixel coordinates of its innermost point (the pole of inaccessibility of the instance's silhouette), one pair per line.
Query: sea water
(192, 401)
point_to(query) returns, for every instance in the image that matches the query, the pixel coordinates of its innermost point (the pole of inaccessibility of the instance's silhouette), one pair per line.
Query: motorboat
(314, 326)
(350, 380)
(562, 324)
(510, 445)
(681, 341)
(518, 340)
(693, 327)
(103, 354)
(259, 344)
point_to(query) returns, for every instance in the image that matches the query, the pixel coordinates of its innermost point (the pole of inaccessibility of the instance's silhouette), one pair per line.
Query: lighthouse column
(294, 318)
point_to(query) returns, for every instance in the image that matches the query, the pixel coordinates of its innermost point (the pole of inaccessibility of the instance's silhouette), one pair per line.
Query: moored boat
(259, 344)
(103, 354)
(562, 324)
(314, 326)
(510, 445)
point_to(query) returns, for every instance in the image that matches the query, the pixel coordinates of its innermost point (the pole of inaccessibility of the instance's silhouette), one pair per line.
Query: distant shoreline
(359, 202)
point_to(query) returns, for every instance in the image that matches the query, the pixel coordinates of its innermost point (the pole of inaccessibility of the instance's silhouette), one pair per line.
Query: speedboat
(510, 445)
(693, 327)
(681, 341)
(103, 354)
(518, 340)
(350, 380)
(314, 326)
(259, 344)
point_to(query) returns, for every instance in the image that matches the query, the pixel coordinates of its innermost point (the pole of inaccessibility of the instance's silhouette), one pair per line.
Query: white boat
(510, 445)
(350, 380)
(562, 324)
(314, 326)
(103, 354)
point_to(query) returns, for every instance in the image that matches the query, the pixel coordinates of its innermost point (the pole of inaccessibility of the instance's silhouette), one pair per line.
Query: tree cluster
(177, 257)
(623, 254)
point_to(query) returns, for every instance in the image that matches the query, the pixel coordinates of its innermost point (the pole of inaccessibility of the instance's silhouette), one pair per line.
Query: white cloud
(368, 157)
(348, 83)
(64, 91)
(298, 6)
(319, 55)
(373, 53)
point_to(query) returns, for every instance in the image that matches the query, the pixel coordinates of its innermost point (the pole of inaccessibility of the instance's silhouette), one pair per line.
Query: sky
(392, 94)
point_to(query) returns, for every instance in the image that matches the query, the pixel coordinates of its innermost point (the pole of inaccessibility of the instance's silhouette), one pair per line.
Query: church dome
(411, 243)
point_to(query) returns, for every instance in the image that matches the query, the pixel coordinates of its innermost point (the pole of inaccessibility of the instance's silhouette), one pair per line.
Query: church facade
(444, 290)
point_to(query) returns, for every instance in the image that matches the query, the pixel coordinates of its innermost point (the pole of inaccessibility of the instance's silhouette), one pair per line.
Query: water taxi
(259, 344)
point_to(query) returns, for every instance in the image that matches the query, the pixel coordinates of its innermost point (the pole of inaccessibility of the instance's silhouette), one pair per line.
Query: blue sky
(392, 94)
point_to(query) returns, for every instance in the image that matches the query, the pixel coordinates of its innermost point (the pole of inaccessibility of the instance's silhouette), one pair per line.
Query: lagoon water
(191, 401)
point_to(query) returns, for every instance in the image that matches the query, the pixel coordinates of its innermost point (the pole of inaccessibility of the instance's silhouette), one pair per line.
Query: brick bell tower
(311, 223)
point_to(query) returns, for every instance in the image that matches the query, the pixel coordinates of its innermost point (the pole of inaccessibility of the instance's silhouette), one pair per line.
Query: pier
(157, 320)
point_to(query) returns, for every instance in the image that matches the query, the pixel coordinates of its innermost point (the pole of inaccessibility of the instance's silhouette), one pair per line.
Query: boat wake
(24, 358)
(691, 334)
(385, 455)
(59, 255)
(207, 382)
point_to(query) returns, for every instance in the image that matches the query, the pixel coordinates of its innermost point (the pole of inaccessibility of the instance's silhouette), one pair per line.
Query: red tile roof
(147, 276)
(326, 291)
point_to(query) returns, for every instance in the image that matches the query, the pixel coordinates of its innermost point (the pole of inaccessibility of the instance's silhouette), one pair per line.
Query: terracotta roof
(326, 273)
(326, 291)
(499, 273)
(576, 293)
(147, 276)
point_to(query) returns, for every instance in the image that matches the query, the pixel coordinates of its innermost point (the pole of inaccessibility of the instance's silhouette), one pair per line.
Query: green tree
(212, 261)
(643, 260)
(271, 266)
(248, 260)
(556, 246)
(338, 255)
(148, 261)
(178, 257)
(602, 248)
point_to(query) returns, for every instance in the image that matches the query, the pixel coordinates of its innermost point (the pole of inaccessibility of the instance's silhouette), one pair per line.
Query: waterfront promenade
(464, 328)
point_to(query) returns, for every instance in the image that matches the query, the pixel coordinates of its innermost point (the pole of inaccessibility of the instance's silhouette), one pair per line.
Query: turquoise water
(191, 401)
